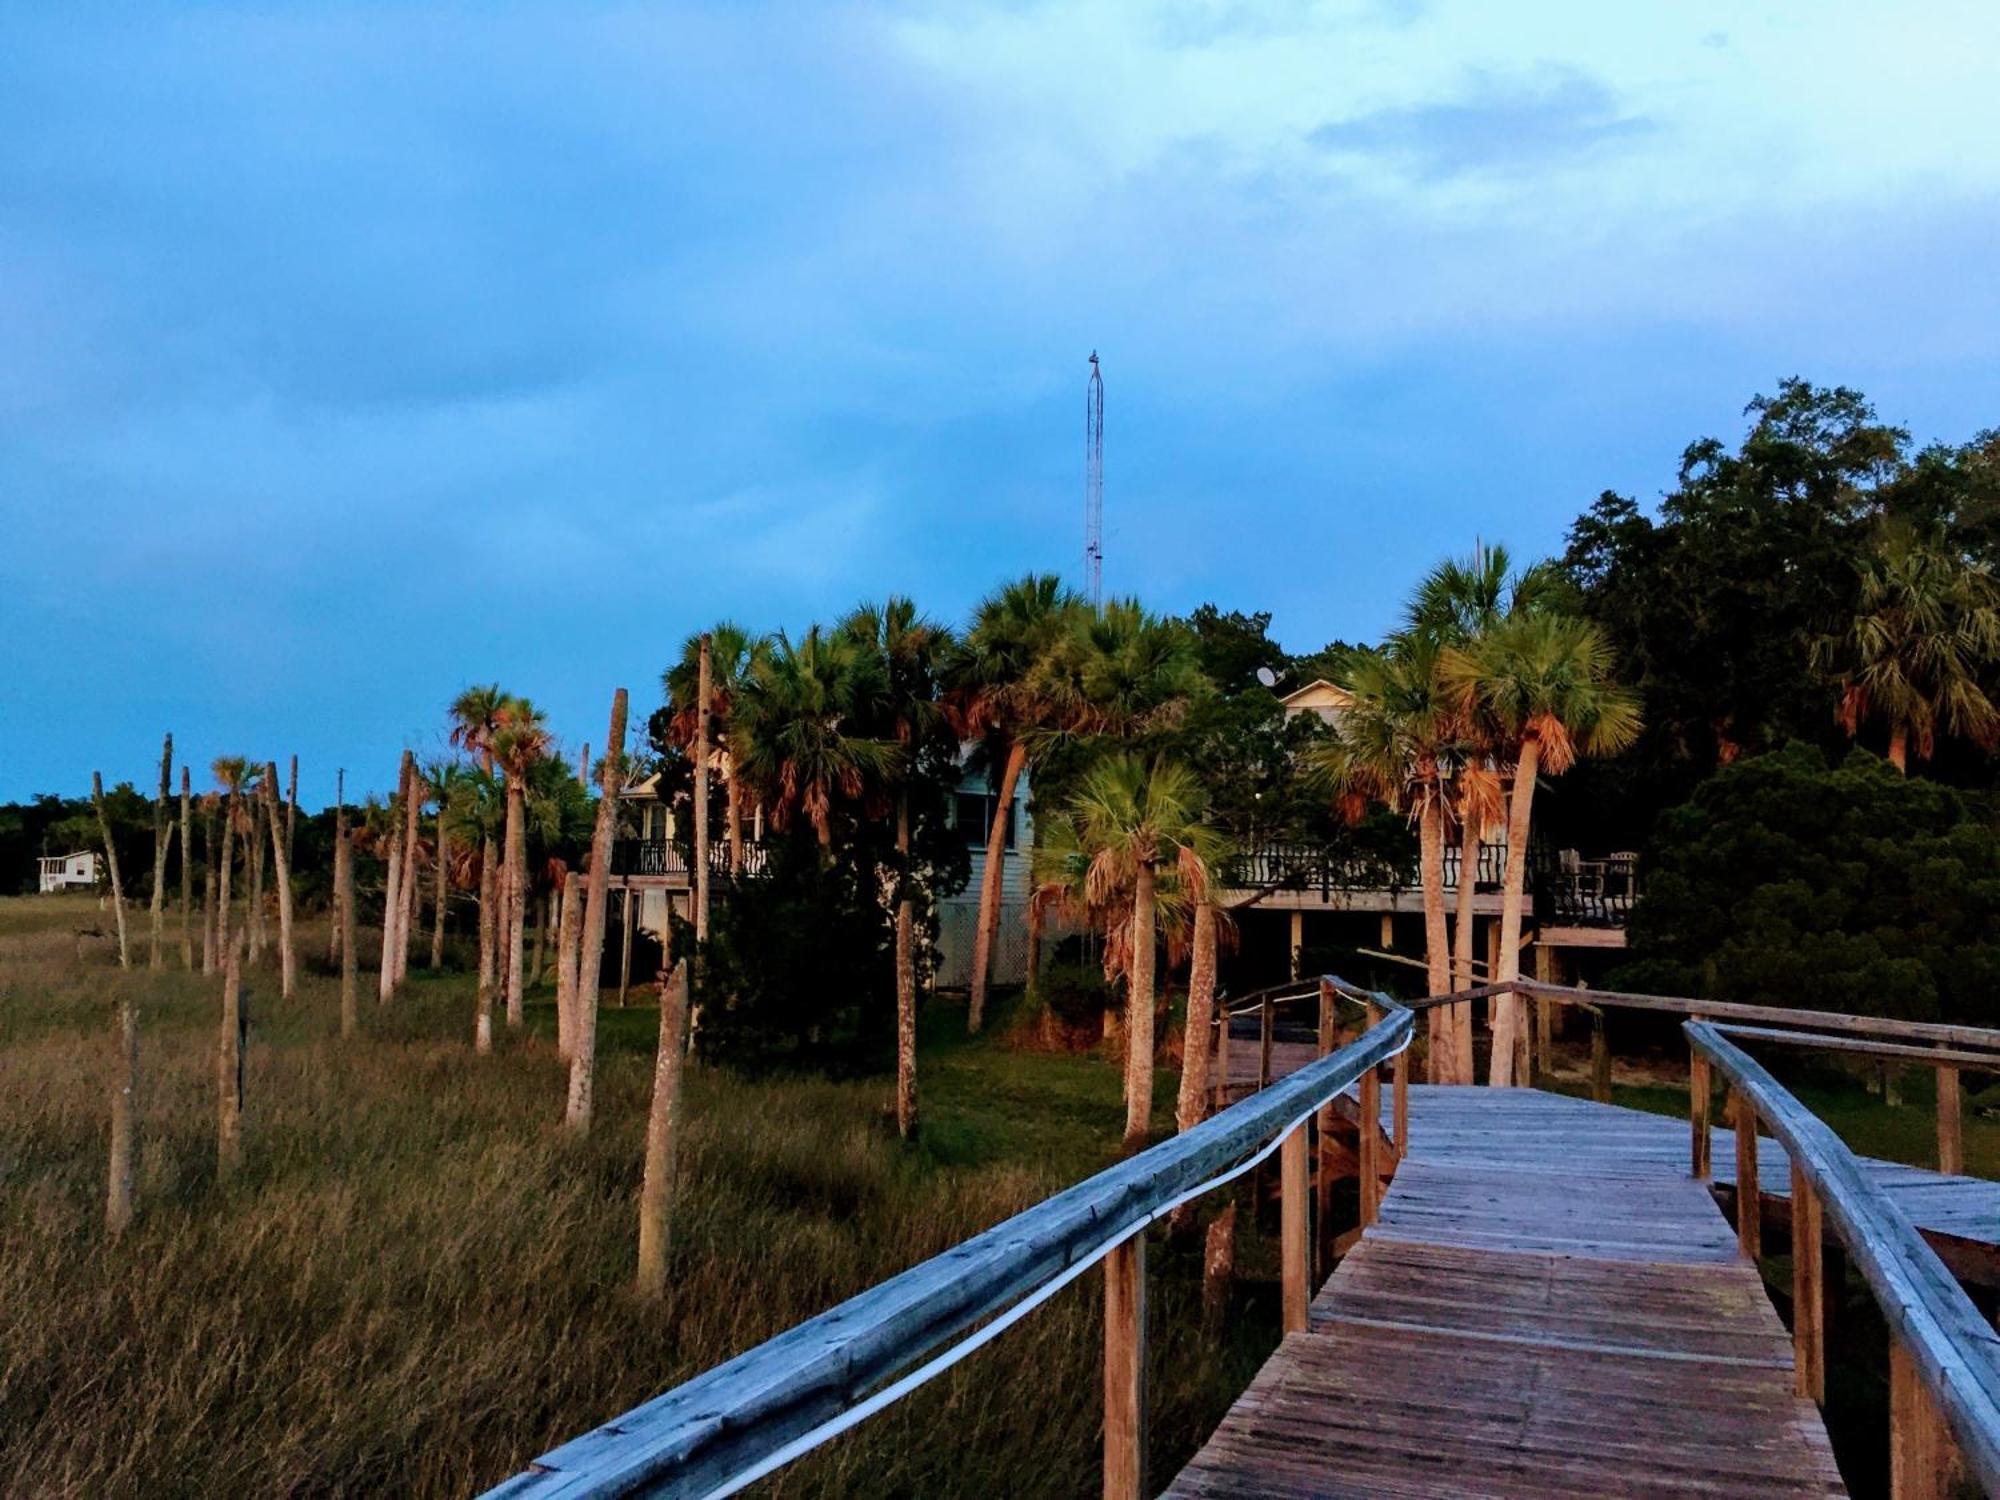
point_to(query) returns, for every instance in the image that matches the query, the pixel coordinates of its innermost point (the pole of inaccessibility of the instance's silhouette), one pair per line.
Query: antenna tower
(1093, 485)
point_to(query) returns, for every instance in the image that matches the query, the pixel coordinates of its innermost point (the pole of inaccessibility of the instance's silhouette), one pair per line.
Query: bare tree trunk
(291, 807)
(392, 886)
(583, 1025)
(489, 901)
(254, 858)
(1139, 1014)
(733, 813)
(702, 750)
(1437, 943)
(229, 1063)
(567, 934)
(343, 896)
(536, 963)
(441, 890)
(111, 864)
(406, 910)
(906, 973)
(222, 894)
(124, 1122)
(1507, 1008)
(662, 1122)
(163, 836)
(1464, 929)
(187, 872)
(281, 862)
(989, 886)
(517, 898)
(1218, 1268)
(1191, 1105)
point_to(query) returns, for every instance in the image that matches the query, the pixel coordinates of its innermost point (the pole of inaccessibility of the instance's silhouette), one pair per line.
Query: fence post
(1292, 1229)
(1749, 1205)
(1920, 1448)
(1125, 1370)
(1699, 1091)
(1400, 1107)
(1808, 1291)
(1600, 1059)
(1951, 1141)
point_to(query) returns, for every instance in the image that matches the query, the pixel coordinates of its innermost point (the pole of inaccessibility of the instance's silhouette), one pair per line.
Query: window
(973, 813)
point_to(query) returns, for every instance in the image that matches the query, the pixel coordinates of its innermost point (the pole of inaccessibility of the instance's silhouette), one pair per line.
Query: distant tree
(1920, 647)
(475, 719)
(1784, 881)
(281, 861)
(733, 650)
(520, 741)
(163, 830)
(581, 1104)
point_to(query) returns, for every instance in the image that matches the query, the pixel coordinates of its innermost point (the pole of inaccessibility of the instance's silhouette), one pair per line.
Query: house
(68, 872)
(1328, 700)
(973, 805)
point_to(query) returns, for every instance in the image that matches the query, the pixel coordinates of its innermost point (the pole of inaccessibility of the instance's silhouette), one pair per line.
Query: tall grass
(417, 1282)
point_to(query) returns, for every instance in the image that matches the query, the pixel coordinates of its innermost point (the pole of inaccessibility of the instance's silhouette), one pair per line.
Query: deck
(1547, 1305)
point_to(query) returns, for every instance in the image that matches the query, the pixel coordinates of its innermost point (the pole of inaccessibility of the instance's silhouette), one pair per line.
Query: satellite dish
(1266, 676)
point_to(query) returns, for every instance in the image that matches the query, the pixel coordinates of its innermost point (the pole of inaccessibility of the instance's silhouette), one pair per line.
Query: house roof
(1319, 693)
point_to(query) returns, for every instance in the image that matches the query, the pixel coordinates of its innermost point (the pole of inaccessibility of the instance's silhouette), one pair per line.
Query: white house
(958, 916)
(68, 872)
(1327, 699)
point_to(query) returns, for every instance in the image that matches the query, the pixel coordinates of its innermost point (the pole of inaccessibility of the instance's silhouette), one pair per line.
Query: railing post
(1219, 1085)
(1920, 1448)
(1264, 1059)
(1699, 1090)
(1292, 1228)
(1125, 1370)
(1371, 1135)
(1323, 1126)
(1951, 1140)
(1808, 1291)
(1600, 1059)
(1400, 1106)
(1749, 1205)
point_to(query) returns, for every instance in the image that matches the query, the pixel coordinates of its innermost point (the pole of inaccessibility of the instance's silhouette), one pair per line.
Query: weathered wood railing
(1944, 1358)
(741, 1420)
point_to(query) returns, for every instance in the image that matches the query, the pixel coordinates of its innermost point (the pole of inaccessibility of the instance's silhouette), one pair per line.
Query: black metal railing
(1574, 892)
(661, 857)
(1310, 867)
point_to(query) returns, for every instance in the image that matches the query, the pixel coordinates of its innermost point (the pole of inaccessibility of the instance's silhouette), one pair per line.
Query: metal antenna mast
(1093, 485)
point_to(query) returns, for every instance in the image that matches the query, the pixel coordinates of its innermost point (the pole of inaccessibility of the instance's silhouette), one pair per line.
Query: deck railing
(653, 857)
(741, 1420)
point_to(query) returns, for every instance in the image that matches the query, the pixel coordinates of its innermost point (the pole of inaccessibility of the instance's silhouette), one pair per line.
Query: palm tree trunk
(281, 865)
(517, 900)
(1899, 748)
(1437, 945)
(441, 892)
(701, 759)
(906, 978)
(124, 1122)
(343, 896)
(392, 887)
(1507, 1008)
(583, 1027)
(222, 866)
(229, 1069)
(733, 816)
(254, 854)
(187, 872)
(541, 938)
(1464, 931)
(333, 928)
(406, 910)
(111, 864)
(989, 886)
(163, 836)
(567, 933)
(1191, 1107)
(1139, 1014)
(291, 807)
(662, 1121)
(489, 917)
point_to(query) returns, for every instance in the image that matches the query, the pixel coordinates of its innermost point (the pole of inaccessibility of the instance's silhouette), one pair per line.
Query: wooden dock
(1547, 1305)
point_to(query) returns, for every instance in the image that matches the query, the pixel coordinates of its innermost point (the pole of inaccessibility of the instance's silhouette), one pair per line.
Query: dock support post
(1808, 1291)
(1298, 939)
(1951, 1141)
(1600, 1059)
(1921, 1456)
(1125, 1370)
(1292, 1228)
(1749, 1206)
(1699, 1092)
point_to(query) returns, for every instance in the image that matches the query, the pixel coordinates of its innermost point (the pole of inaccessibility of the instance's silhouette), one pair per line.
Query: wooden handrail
(734, 1423)
(1945, 1358)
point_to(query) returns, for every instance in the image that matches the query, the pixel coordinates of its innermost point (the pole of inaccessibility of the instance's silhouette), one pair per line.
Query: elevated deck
(1547, 1305)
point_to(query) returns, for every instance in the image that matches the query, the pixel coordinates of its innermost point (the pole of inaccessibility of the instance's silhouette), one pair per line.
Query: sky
(350, 354)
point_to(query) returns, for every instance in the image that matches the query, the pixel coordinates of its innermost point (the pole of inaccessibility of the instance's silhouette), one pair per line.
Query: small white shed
(68, 872)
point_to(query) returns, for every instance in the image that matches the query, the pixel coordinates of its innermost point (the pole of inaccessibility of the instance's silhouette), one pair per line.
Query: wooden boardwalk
(1547, 1305)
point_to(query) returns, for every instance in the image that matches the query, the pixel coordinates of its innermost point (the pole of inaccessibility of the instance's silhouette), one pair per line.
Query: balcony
(660, 859)
(1315, 867)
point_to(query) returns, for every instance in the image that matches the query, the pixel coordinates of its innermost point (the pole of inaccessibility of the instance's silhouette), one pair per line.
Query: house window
(973, 813)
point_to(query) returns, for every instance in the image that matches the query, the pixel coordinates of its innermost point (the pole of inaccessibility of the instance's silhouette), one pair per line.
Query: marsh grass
(417, 1282)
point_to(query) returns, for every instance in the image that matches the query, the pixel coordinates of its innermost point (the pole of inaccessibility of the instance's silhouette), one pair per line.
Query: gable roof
(1319, 694)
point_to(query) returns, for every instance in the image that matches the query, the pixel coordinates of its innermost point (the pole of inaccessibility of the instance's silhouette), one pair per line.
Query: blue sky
(349, 354)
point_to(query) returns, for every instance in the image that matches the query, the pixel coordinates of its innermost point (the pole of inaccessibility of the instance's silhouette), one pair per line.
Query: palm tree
(163, 838)
(1392, 746)
(1003, 691)
(733, 649)
(235, 779)
(1926, 629)
(520, 741)
(1131, 819)
(796, 737)
(478, 819)
(1458, 602)
(475, 719)
(583, 1025)
(281, 863)
(1546, 680)
(910, 655)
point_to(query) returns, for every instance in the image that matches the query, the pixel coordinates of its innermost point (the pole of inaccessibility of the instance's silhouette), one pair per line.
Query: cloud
(1510, 126)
